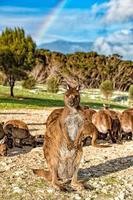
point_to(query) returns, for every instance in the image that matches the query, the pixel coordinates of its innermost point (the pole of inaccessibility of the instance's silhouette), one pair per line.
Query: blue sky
(106, 23)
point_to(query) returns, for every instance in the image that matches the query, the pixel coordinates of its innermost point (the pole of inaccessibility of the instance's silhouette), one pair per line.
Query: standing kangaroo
(62, 157)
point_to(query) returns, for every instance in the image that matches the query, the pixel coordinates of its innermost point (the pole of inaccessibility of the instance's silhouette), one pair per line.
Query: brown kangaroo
(3, 141)
(53, 116)
(88, 130)
(62, 157)
(126, 120)
(116, 126)
(62, 153)
(3, 146)
(2, 133)
(18, 132)
(103, 123)
(88, 112)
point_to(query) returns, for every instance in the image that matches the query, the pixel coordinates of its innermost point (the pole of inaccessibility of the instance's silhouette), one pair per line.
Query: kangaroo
(17, 132)
(88, 130)
(103, 123)
(62, 157)
(126, 120)
(2, 133)
(88, 112)
(3, 146)
(3, 141)
(53, 116)
(116, 126)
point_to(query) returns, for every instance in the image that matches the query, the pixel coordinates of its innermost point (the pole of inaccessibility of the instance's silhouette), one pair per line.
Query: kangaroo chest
(72, 123)
(67, 163)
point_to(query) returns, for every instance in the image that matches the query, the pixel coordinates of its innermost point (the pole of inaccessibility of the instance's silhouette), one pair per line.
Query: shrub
(53, 84)
(130, 92)
(29, 83)
(2, 78)
(106, 88)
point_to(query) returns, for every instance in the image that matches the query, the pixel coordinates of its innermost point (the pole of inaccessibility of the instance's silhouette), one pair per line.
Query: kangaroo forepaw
(78, 186)
(60, 187)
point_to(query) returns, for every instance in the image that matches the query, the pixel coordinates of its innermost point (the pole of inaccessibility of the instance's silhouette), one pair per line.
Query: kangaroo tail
(43, 173)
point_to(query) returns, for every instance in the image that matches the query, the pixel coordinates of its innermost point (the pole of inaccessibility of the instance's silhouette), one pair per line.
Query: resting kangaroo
(88, 112)
(116, 126)
(88, 130)
(3, 141)
(103, 123)
(2, 133)
(3, 146)
(126, 120)
(62, 158)
(17, 132)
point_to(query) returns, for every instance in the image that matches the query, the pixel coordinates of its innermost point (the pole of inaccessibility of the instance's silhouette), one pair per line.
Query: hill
(67, 46)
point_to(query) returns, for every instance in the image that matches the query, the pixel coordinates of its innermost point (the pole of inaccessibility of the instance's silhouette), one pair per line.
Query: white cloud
(115, 10)
(17, 9)
(75, 25)
(120, 42)
(124, 36)
(28, 22)
(6, 20)
(101, 45)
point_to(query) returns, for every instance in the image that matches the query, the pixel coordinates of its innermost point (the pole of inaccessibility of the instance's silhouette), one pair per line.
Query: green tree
(16, 55)
(29, 83)
(106, 88)
(130, 92)
(53, 84)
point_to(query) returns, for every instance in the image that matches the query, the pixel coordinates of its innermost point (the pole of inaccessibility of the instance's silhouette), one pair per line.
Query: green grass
(39, 98)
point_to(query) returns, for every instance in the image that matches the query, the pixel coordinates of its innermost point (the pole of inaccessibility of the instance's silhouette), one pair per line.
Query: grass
(111, 181)
(39, 98)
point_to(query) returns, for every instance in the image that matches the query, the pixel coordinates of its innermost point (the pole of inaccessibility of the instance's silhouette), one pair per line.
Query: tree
(106, 88)
(53, 84)
(29, 83)
(130, 92)
(16, 55)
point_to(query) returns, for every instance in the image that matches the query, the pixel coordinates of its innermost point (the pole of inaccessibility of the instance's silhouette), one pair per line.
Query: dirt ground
(109, 172)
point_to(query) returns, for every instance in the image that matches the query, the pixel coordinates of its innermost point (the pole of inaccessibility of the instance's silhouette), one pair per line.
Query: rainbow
(48, 21)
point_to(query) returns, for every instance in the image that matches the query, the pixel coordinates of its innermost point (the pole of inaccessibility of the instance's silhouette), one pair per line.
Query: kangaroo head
(72, 97)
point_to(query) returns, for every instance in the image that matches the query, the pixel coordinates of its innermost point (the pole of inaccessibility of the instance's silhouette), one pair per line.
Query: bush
(53, 84)
(130, 92)
(29, 83)
(2, 78)
(106, 88)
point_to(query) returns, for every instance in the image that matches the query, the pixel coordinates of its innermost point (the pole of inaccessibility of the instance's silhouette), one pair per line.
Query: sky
(106, 23)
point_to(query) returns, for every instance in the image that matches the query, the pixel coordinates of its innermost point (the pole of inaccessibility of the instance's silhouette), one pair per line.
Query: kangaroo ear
(2, 123)
(106, 106)
(77, 87)
(68, 87)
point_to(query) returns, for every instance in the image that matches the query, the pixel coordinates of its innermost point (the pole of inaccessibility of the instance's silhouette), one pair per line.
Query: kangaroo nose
(72, 97)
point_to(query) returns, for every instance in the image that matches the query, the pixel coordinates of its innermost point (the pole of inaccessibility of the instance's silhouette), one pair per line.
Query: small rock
(77, 197)
(121, 196)
(50, 190)
(16, 189)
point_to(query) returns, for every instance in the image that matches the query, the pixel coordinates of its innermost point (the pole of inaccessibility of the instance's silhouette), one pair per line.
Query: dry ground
(108, 171)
